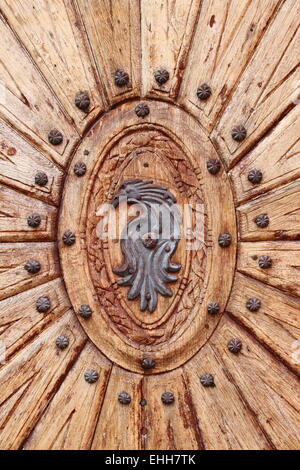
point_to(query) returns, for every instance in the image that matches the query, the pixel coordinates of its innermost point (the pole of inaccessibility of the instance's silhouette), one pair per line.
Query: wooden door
(186, 340)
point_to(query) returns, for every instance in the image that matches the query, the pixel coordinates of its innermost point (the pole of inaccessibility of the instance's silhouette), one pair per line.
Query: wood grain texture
(260, 103)
(268, 389)
(53, 34)
(226, 37)
(276, 324)
(113, 28)
(31, 379)
(69, 421)
(14, 211)
(166, 33)
(13, 257)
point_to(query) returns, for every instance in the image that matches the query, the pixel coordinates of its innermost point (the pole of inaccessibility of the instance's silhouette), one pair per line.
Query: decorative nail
(143, 402)
(91, 376)
(167, 398)
(69, 238)
(41, 179)
(85, 311)
(121, 78)
(124, 398)
(32, 267)
(82, 100)
(239, 133)
(225, 240)
(262, 220)
(142, 110)
(255, 176)
(207, 380)
(203, 91)
(43, 304)
(265, 262)
(213, 165)
(80, 168)
(148, 363)
(55, 137)
(34, 220)
(213, 308)
(149, 240)
(235, 345)
(62, 342)
(253, 304)
(161, 76)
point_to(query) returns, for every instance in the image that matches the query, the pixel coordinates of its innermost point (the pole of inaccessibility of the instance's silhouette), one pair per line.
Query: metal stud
(91, 376)
(262, 220)
(142, 110)
(62, 342)
(265, 262)
(148, 363)
(55, 137)
(41, 179)
(34, 220)
(124, 398)
(69, 238)
(32, 267)
(82, 100)
(143, 402)
(239, 133)
(235, 345)
(43, 304)
(85, 311)
(253, 304)
(207, 380)
(255, 176)
(203, 91)
(149, 240)
(213, 165)
(213, 308)
(225, 240)
(167, 398)
(161, 76)
(121, 78)
(80, 168)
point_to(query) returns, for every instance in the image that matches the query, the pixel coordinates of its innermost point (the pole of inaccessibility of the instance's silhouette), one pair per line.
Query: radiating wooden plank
(113, 28)
(284, 272)
(19, 319)
(69, 421)
(14, 211)
(277, 156)
(283, 210)
(27, 102)
(119, 426)
(54, 35)
(38, 371)
(13, 257)
(276, 323)
(166, 30)
(270, 391)
(226, 37)
(222, 414)
(267, 87)
(172, 426)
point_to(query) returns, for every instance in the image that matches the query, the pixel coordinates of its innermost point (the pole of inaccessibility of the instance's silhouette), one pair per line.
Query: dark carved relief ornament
(147, 245)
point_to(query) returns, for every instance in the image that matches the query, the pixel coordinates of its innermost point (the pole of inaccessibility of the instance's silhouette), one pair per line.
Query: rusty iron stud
(148, 363)
(80, 168)
(265, 262)
(124, 398)
(121, 78)
(224, 240)
(207, 380)
(239, 133)
(43, 304)
(213, 166)
(253, 304)
(41, 179)
(213, 308)
(161, 76)
(82, 100)
(203, 91)
(34, 220)
(32, 267)
(85, 311)
(69, 238)
(143, 402)
(255, 176)
(142, 110)
(262, 220)
(62, 342)
(91, 376)
(149, 240)
(235, 345)
(167, 398)
(55, 137)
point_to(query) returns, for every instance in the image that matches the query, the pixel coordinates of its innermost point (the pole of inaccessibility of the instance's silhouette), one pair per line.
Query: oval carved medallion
(147, 216)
